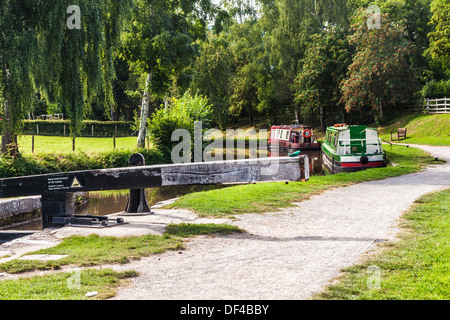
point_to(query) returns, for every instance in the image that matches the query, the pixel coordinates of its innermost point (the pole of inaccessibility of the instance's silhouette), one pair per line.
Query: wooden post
(114, 140)
(92, 130)
(64, 129)
(37, 129)
(32, 143)
(73, 144)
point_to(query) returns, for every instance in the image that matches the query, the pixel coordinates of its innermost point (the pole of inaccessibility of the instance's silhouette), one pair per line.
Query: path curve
(289, 254)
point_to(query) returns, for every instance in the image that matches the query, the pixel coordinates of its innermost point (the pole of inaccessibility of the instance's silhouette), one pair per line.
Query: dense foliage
(257, 60)
(26, 165)
(182, 114)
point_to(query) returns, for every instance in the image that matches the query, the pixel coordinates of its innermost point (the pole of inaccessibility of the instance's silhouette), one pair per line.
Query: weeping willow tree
(61, 49)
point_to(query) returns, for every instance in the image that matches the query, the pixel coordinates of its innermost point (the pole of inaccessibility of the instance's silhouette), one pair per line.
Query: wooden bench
(401, 133)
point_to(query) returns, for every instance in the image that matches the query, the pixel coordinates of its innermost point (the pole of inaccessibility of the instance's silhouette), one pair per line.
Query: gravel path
(289, 254)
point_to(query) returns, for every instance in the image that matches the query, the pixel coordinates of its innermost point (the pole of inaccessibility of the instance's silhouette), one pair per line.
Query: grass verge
(65, 285)
(430, 129)
(94, 250)
(416, 267)
(265, 197)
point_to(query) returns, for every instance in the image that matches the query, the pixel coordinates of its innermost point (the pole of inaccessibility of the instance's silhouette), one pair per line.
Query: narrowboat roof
(342, 127)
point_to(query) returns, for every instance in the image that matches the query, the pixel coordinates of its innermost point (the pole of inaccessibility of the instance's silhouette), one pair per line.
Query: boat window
(286, 136)
(276, 135)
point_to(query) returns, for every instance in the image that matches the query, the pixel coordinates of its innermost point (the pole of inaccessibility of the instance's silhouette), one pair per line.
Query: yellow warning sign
(76, 183)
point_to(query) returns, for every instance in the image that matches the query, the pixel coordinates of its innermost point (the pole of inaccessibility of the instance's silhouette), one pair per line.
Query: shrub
(181, 114)
(436, 89)
(53, 163)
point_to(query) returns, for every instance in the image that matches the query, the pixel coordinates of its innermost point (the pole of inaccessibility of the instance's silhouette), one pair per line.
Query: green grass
(94, 250)
(188, 229)
(55, 144)
(416, 267)
(62, 286)
(263, 197)
(430, 129)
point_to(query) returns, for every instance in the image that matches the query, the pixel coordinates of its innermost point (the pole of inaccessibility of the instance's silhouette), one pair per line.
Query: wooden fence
(436, 105)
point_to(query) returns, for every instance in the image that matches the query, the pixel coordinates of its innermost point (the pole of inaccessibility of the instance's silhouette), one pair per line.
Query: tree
(324, 67)
(440, 38)
(248, 50)
(160, 40)
(212, 76)
(62, 51)
(288, 25)
(380, 75)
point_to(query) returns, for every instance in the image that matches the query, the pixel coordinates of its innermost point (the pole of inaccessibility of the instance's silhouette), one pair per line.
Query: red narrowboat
(285, 140)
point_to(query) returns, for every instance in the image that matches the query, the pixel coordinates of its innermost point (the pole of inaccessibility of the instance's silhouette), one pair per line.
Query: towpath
(289, 254)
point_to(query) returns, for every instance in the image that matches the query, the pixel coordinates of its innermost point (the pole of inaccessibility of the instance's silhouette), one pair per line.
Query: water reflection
(107, 202)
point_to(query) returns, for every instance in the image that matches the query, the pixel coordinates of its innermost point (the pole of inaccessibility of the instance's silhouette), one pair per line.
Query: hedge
(90, 128)
(54, 163)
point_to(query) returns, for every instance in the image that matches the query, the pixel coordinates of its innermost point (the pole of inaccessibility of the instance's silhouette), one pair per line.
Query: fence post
(37, 129)
(73, 144)
(32, 143)
(92, 129)
(428, 105)
(64, 129)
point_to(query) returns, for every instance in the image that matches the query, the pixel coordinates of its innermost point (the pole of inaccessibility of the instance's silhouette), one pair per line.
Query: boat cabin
(352, 148)
(285, 140)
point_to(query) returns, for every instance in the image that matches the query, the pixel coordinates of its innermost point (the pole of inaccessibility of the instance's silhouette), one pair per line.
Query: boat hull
(353, 163)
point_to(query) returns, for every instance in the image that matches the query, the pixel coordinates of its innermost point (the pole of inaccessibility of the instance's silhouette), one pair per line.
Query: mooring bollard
(137, 201)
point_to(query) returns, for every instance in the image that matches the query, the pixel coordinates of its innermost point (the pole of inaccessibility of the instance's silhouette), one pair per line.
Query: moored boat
(348, 148)
(285, 140)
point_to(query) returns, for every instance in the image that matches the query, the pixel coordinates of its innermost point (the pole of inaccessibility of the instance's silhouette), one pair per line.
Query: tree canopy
(252, 59)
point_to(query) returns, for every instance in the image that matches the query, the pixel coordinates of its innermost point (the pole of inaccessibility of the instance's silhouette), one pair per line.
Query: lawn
(55, 144)
(416, 267)
(263, 197)
(430, 129)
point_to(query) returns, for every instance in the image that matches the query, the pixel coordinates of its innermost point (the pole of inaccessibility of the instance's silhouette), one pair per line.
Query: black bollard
(137, 201)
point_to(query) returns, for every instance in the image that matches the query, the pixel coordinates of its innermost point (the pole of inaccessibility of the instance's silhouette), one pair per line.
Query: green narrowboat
(348, 148)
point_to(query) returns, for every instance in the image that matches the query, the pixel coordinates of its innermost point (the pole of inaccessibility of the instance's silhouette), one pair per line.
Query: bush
(181, 114)
(53, 163)
(436, 89)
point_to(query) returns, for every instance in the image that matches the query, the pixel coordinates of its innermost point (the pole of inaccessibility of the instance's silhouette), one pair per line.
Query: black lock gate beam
(55, 189)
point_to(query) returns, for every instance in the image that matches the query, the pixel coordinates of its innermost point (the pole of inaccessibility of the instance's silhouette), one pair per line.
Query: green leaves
(381, 75)
(440, 38)
(38, 52)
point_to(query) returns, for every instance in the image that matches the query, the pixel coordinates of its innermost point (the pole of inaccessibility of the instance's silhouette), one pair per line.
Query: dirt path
(289, 254)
